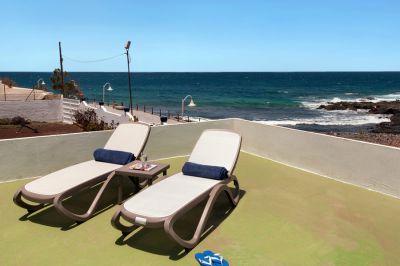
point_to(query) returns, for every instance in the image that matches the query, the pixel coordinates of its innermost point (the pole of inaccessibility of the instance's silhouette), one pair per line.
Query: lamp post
(191, 104)
(39, 83)
(4, 88)
(128, 59)
(108, 89)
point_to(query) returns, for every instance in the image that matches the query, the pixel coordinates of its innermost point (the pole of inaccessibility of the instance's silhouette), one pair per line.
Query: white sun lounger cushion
(69, 177)
(126, 137)
(166, 197)
(217, 148)
(214, 147)
(129, 138)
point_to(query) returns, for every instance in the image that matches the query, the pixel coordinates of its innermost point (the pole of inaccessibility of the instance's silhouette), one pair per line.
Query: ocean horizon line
(205, 72)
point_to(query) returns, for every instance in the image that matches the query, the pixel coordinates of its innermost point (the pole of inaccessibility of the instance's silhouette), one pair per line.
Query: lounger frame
(168, 222)
(57, 199)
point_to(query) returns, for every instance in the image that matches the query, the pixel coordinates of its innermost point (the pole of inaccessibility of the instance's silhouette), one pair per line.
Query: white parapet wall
(40, 110)
(36, 156)
(179, 139)
(368, 165)
(363, 164)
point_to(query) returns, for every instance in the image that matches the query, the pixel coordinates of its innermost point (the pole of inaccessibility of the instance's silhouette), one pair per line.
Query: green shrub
(19, 121)
(70, 89)
(9, 82)
(88, 121)
(5, 121)
(16, 121)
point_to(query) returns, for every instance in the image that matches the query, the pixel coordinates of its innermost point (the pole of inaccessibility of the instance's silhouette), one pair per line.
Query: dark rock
(392, 127)
(383, 107)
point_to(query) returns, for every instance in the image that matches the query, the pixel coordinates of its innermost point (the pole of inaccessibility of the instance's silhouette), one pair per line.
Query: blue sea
(268, 97)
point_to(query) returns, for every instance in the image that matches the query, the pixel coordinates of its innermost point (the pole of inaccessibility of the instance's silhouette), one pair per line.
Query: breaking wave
(314, 103)
(342, 118)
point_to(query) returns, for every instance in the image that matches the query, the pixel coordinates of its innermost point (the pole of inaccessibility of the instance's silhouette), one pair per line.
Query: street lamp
(108, 89)
(39, 84)
(4, 88)
(128, 60)
(191, 104)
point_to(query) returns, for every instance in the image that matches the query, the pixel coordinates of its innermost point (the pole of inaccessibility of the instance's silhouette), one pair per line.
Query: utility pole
(61, 67)
(128, 44)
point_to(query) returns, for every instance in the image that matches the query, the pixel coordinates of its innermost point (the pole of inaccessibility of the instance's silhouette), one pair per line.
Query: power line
(95, 60)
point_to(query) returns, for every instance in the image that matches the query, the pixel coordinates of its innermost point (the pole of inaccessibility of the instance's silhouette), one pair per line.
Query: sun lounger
(162, 204)
(55, 187)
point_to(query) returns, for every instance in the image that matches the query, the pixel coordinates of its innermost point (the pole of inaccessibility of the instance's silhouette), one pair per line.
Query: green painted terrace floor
(285, 217)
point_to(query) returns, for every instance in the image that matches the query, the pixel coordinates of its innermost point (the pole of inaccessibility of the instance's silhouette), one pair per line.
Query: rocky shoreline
(385, 133)
(383, 107)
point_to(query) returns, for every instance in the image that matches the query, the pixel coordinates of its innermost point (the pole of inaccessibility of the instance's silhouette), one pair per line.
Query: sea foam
(314, 103)
(334, 118)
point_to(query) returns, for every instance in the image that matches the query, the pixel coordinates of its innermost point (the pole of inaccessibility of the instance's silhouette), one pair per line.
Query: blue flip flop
(209, 258)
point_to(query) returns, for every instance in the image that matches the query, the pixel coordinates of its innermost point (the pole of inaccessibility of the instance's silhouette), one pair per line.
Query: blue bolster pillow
(111, 156)
(206, 171)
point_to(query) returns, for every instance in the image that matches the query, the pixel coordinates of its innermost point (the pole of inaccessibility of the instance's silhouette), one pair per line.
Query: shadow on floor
(158, 242)
(79, 203)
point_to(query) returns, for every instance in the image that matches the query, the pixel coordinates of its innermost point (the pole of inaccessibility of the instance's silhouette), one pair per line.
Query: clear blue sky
(206, 35)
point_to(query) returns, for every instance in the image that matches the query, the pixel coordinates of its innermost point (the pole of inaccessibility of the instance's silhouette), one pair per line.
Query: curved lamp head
(42, 83)
(109, 88)
(191, 104)
(127, 45)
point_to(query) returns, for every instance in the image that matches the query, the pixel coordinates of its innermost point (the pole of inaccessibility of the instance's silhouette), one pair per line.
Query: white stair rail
(108, 112)
(130, 116)
(88, 106)
(69, 107)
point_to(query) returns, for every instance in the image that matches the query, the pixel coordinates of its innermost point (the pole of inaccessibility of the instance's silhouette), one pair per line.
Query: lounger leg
(188, 244)
(234, 197)
(20, 202)
(58, 202)
(116, 223)
(120, 189)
